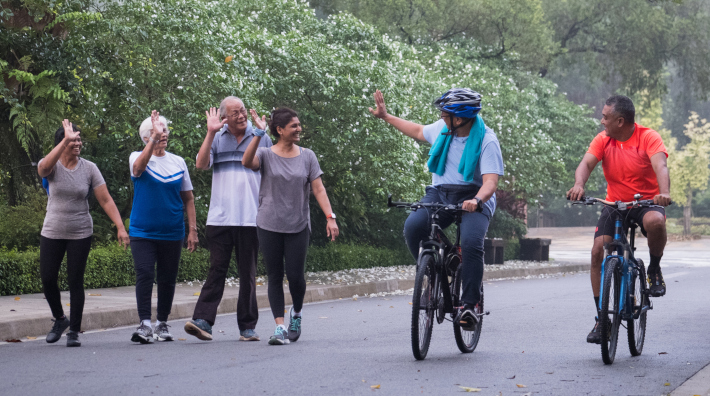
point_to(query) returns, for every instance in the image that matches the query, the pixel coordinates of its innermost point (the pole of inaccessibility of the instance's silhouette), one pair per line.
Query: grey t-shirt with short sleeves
(68, 206)
(285, 190)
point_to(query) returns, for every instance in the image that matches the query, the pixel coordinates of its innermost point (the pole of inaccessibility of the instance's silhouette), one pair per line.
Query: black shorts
(605, 225)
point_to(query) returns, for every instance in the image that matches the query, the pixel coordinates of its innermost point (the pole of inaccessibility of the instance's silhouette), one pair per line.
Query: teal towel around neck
(471, 152)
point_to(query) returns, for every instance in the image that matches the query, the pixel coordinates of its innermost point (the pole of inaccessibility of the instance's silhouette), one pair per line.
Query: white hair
(146, 128)
(223, 105)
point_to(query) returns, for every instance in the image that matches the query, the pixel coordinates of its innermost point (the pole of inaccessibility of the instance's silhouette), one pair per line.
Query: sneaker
(143, 334)
(657, 286)
(248, 335)
(280, 336)
(468, 318)
(162, 333)
(57, 329)
(199, 328)
(73, 339)
(595, 336)
(294, 327)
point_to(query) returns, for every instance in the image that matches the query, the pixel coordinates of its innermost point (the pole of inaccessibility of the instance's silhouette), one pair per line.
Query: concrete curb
(698, 384)
(125, 315)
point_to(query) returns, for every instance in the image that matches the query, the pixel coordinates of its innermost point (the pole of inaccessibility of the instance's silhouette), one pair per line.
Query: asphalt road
(535, 336)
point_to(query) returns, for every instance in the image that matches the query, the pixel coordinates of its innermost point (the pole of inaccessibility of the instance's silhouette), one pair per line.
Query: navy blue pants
(146, 253)
(473, 230)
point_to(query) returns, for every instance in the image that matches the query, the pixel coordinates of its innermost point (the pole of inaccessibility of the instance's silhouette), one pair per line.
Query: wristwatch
(479, 207)
(330, 216)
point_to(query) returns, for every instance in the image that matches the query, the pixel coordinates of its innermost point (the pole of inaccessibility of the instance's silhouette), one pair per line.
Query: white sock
(282, 326)
(146, 322)
(295, 314)
(157, 322)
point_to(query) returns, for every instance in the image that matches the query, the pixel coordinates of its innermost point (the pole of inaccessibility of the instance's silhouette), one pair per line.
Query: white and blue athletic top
(157, 205)
(491, 160)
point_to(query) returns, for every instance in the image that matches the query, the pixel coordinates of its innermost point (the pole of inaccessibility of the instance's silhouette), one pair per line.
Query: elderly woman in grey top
(288, 172)
(68, 226)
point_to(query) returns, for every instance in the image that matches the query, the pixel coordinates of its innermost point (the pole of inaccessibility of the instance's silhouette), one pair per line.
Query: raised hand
(260, 123)
(69, 134)
(214, 123)
(158, 127)
(380, 111)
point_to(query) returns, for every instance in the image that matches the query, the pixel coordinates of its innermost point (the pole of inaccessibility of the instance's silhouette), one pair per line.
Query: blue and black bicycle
(624, 291)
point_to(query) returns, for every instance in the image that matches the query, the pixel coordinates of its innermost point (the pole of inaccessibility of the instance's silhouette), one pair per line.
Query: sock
(596, 302)
(146, 322)
(295, 314)
(157, 322)
(282, 326)
(655, 263)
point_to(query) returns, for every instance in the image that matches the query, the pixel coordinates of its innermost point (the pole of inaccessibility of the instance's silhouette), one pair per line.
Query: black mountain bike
(437, 286)
(624, 292)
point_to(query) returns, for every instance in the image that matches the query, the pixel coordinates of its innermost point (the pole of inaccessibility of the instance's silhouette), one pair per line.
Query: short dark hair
(280, 118)
(59, 134)
(624, 106)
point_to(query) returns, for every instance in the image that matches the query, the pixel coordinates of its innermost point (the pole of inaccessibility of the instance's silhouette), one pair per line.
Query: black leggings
(275, 246)
(51, 254)
(146, 253)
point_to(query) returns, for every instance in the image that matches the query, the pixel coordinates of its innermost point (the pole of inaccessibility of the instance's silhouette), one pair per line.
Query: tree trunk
(687, 213)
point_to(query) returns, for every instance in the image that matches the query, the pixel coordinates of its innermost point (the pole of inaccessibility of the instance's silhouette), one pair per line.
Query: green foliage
(505, 226)
(111, 266)
(29, 215)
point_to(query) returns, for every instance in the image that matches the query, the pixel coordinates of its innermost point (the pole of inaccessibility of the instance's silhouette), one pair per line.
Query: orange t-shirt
(627, 165)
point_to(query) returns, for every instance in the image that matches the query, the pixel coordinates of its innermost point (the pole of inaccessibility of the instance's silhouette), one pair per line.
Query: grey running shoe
(294, 328)
(248, 335)
(280, 336)
(199, 328)
(162, 333)
(595, 336)
(468, 318)
(57, 329)
(73, 339)
(143, 334)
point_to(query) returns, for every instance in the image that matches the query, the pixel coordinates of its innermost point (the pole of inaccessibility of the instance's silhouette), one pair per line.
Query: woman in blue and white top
(162, 190)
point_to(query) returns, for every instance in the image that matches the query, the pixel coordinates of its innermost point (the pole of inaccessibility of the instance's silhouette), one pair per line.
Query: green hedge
(111, 266)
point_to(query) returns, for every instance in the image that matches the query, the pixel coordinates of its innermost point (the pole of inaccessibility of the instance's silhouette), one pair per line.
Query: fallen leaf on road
(221, 331)
(182, 339)
(196, 294)
(68, 305)
(359, 310)
(513, 377)
(549, 372)
(31, 338)
(13, 340)
(520, 386)
(410, 303)
(364, 381)
(391, 306)
(97, 294)
(467, 389)
(17, 298)
(667, 384)
(259, 284)
(375, 386)
(322, 317)
(663, 353)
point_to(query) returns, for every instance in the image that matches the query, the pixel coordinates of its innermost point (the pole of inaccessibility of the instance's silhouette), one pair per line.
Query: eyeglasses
(237, 113)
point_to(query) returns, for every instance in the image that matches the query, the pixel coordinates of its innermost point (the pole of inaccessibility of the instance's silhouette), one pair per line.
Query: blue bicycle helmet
(460, 102)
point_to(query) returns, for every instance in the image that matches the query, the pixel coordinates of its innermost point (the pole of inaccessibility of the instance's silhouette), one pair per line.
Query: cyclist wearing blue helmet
(465, 162)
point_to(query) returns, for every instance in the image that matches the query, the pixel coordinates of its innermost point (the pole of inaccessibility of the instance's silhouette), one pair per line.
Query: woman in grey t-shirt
(288, 172)
(68, 226)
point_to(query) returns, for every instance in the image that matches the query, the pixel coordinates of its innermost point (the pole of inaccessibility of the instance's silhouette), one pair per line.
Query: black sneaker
(468, 318)
(595, 336)
(657, 286)
(162, 333)
(143, 334)
(199, 328)
(294, 327)
(73, 339)
(57, 329)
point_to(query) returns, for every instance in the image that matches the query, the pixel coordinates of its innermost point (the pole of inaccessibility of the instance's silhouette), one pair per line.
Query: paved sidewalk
(29, 315)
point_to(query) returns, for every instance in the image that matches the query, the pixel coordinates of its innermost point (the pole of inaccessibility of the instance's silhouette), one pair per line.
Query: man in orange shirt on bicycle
(634, 162)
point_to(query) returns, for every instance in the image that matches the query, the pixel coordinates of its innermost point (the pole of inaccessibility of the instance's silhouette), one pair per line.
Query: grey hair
(223, 105)
(146, 128)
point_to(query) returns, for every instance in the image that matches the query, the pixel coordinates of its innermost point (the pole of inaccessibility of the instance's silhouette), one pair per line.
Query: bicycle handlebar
(420, 205)
(637, 203)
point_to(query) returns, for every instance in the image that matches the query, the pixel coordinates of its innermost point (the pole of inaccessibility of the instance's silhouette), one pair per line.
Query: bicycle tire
(423, 307)
(466, 340)
(609, 326)
(637, 327)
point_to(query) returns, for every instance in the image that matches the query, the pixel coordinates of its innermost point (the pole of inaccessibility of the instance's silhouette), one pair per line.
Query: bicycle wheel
(609, 319)
(637, 327)
(466, 340)
(423, 308)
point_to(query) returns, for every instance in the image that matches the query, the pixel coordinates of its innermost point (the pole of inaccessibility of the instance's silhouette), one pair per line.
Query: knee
(654, 222)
